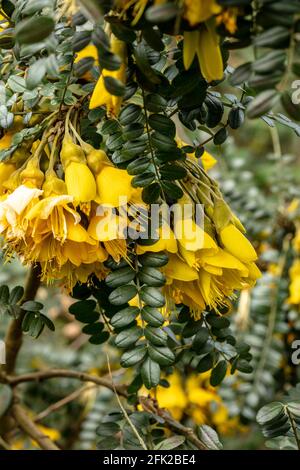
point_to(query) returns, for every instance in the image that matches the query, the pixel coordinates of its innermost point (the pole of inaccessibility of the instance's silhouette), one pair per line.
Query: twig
(71, 374)
(140, 439)
(28, 426)
(13, 338)
(4, 444)
(64, 401)
(151, 406)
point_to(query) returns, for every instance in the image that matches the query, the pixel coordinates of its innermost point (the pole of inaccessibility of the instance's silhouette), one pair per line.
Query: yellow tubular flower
(294, 288)
(80, 182)
(101, 96)
(197, 11)
(112, 185)
(190, 44)
(89, 51)
(209, 53)
(237, 244)
(208, 161)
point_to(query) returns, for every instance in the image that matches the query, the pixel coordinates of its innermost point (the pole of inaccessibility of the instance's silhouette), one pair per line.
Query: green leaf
(152, 297)
(92, 9)
(4, 295)
(16, 295)
(47, 322)
(80, 40)
(162, 142)
(143, 180)
(220, 136)
(34, 29)
(170, 443)
(262, 103)
(34, 6)
(124, 317)
(129, 114)
(152, 316)
(138, 166)
(206, 363)
(151, 276)
(163, 124)
(108, 443)
(163, 356)
(114, 86)
(200, 339)
(82, 306)
(218, 373)
(155, 260)
(16, 84)
(84, 311)
(35, 74)
(209, 437)
(32, 306)
(172, 172)
(99, 338)
(270, 413)
(132, 357)
(142, 62)
(122, 295)
(93, 328)
(156, 336)
(217, 321)
(128, 337)
(151, 193)
(162, 13)
(155, 103)
(172, 190)
(107, 429)
(120, 277)
(150, 372)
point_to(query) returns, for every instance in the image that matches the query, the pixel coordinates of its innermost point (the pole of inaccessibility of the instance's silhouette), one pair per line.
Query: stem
(71, 374)
(13, 339)
(151, 149)
(25, 423)
(293, 427)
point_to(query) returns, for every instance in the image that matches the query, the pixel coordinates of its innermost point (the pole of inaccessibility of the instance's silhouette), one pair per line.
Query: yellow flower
(80, 182)
(113, 187)
(197, 11)
(89, 51)
(205, 43)
(237, 244)
(6, 170)
(208, 161)
(294, 288)
(12, 210)
(209, 53)
(100, 94)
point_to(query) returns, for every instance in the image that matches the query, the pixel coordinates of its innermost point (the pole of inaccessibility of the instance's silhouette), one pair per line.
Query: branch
(28, 426)
(13, 340)
(150, 405)
(71, 374)
(64, 401)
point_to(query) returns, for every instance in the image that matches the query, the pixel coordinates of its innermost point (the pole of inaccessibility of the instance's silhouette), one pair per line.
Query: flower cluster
(60, 217)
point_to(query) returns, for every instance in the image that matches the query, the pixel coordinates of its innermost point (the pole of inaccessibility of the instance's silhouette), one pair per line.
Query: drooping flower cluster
(208, 262)
(61, 217)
